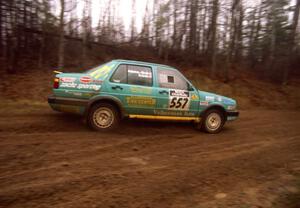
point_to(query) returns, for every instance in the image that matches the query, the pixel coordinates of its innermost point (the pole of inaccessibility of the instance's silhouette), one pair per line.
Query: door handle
(163, 91)
(117, 87)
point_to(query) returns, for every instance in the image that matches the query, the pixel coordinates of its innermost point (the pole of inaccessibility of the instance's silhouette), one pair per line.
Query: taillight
(56, 83)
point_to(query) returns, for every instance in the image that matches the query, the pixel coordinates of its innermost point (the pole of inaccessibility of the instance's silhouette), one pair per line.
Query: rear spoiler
(57, 72)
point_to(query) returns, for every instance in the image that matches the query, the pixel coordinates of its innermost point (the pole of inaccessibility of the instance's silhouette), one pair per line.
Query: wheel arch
(216, 107)
(106, 99)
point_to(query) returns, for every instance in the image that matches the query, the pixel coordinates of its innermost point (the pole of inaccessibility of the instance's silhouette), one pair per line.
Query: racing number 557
(178, 103)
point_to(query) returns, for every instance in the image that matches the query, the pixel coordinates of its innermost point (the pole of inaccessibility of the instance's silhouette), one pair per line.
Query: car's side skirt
(175, 118)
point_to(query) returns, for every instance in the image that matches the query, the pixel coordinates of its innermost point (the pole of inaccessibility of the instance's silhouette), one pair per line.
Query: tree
(232, 40)
(193, 26)
(132, 29)
(292, 43)
(61, 43)
(213, 37)
(86, 28)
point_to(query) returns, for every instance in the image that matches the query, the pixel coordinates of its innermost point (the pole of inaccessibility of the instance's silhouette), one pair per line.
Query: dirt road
(49, 159)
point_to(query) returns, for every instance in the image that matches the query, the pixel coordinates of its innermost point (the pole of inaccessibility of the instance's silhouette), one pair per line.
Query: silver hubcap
(213, 121)
(103, 117)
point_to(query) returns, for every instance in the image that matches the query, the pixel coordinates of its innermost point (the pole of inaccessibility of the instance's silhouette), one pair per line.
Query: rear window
(102, 71)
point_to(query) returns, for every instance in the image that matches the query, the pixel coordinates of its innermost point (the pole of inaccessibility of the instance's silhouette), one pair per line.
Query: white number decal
(179, 100)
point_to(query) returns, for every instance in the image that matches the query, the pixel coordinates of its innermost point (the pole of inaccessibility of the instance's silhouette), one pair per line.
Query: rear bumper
(68, 105)
(232, 115)
(66, 101)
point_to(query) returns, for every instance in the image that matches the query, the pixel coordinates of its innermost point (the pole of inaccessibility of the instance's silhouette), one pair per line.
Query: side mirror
(190, 87)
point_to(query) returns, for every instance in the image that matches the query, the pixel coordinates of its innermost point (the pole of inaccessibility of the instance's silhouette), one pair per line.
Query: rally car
(132, 89)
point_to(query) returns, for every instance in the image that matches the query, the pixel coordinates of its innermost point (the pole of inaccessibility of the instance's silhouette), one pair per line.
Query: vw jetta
(122, 88)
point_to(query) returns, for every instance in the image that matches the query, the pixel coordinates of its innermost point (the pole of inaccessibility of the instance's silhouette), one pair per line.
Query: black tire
(110, 120)
(212, 121)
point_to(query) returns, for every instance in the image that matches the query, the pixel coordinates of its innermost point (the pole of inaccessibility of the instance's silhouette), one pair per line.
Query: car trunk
(76, 85)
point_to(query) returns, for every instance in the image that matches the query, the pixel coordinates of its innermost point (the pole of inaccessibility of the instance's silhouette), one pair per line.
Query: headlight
(231, 107)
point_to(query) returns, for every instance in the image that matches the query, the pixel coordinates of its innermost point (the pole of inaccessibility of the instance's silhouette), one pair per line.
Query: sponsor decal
(194, 97)
(179, 100)
(68, 79)
(179, 93)
(68, 85)
(85, 79)
(141, 90)
(204, 103)
(142, 74)
(97, 81)
(140, 101)
(210, 98)
(173, 113)
(81, 86)
(89, 87)
(228, 102)
(102, 72)
(73, 93)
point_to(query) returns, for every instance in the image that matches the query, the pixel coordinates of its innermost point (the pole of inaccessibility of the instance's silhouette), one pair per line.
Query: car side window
(139, 75)
(132, 74)
(171, 79)
(120, 75)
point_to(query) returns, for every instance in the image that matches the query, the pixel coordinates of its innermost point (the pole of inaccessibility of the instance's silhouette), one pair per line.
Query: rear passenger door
(132, 84)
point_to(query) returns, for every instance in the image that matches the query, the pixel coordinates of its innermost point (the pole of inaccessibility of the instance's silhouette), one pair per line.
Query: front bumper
(232, 115)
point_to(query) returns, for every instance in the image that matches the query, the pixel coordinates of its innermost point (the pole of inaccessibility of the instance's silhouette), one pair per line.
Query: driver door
(174, 95)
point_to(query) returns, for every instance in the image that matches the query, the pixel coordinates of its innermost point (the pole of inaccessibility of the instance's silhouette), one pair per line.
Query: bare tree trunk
(174, 37)
(214, 37)
(293, 46)
(12, 44)
(193, 26)
(61, 46)
(46, 9)
(1, 30)
(250, 52)
(239, 33)
(86, 23)
(272, 49)
(184, 27)
(132, 20)
(233, 31)
(204, 36)
(256, 40)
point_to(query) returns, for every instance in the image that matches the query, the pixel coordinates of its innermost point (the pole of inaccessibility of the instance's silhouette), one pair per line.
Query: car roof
(142, 63)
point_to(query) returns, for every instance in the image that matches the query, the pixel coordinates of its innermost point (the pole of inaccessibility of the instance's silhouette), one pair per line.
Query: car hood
(215, 98)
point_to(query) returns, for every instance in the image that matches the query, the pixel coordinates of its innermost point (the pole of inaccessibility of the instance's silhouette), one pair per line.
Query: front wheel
(213, 121)
(103, 117)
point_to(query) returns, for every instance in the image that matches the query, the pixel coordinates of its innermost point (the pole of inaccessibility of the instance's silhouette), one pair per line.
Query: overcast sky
(124, 10)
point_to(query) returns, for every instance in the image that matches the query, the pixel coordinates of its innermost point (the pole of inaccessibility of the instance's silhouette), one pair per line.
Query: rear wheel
(213, 121)
(103, 117)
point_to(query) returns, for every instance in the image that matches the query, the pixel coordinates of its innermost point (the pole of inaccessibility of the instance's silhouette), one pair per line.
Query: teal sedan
(139, 90)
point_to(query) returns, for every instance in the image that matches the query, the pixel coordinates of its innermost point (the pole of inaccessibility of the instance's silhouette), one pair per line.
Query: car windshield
(101, 71)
